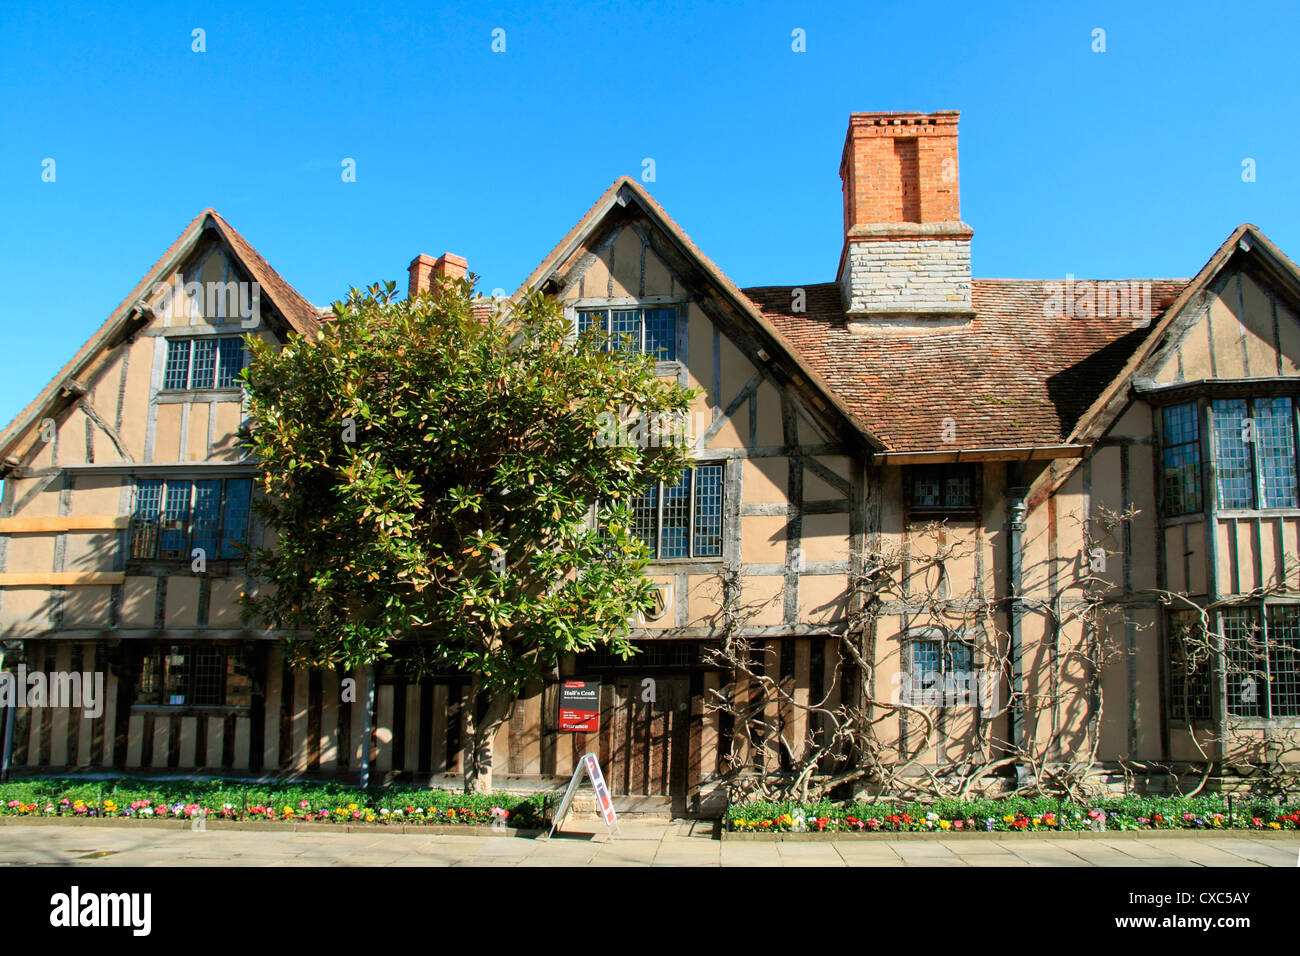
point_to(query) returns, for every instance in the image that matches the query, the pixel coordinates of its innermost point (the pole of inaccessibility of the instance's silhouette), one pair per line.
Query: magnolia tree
(442, 482)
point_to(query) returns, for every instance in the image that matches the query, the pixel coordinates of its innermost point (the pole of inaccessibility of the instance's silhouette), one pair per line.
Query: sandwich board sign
(590, 766)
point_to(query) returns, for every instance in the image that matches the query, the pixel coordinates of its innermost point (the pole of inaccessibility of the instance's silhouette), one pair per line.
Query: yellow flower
(1008, 818)
(945, 824)
(1275, 825)
(352, 806)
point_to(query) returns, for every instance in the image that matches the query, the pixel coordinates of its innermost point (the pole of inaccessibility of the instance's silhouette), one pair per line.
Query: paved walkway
(643, 844)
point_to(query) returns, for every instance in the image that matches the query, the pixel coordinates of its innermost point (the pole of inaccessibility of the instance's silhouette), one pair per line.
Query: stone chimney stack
(424, 269)
(906, 258)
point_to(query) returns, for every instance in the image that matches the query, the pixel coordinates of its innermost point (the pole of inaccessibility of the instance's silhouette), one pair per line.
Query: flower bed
(322, 804)
(1134, 813)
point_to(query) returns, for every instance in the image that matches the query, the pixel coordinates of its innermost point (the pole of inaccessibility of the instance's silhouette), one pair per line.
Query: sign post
(590, 766)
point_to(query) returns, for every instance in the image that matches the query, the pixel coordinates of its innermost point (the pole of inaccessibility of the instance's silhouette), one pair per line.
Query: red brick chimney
(424, 269)
(906, 251)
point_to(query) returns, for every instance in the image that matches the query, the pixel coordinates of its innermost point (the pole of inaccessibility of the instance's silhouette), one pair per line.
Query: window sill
(198, 710)
(168, 396)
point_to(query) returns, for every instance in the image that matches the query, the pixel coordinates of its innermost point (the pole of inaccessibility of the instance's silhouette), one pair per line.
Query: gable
(626, 251)
(1245, 326)
(619, 271)
(209, 249)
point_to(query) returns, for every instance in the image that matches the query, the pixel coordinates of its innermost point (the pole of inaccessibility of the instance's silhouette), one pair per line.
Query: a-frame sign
(590, 766)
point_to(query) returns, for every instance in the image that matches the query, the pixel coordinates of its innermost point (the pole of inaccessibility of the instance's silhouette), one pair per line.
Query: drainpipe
(368, 726)
(1016, 509)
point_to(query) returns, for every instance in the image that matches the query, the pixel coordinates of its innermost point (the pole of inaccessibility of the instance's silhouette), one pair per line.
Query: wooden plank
(28, 579)
(437, 745)
(64, 523)
(384, 706)
(61, 716)
(216, 744)
(412, 742)
(327, 732)
(274, 688)
(315, 707)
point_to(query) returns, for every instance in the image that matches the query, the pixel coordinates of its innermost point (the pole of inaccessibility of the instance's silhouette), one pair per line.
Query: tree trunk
(488, 710)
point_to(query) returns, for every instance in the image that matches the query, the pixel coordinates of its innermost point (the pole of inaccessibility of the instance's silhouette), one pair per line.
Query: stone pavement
(643, 843)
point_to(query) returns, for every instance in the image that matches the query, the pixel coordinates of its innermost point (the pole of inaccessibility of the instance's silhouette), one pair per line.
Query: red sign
(580, 706)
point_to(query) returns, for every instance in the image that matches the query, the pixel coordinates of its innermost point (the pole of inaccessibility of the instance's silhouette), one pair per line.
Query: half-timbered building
(835, 420)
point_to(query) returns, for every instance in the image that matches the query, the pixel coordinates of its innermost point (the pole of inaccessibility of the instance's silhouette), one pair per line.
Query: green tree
(432, 475)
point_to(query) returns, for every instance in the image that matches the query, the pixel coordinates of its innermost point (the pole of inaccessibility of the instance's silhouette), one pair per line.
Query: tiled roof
(1013, 376)
(301, 314)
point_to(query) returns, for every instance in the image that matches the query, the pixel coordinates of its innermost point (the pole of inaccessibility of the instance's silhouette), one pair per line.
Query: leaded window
(209, 361)
(1254, 453)
(194, 675)
(1182, 459)
(645, 331)
(943, 487)
(682, 520)
(940, 672)
(1189, 667)
(1263, 660)
(172, 517)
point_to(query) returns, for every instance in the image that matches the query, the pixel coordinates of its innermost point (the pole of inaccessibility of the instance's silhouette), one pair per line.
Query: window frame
(190, 341)
(692, 515)
(916, 695)
(1199, 680)
(673, 358)
(946, 470)
(1272, 687)
(1205, 395)
(160, 697)
(141, 526)
(1198, 463)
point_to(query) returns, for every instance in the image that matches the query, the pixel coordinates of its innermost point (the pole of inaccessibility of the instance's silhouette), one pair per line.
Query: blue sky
(1116, 164)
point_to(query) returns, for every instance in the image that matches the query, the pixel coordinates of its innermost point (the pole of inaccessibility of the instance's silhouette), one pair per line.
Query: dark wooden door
(649, 738)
